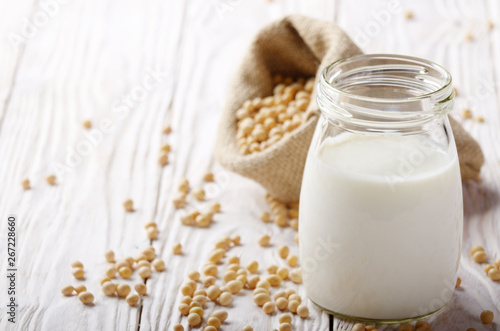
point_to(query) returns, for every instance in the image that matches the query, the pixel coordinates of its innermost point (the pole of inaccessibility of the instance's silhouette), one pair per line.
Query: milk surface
(380, 226)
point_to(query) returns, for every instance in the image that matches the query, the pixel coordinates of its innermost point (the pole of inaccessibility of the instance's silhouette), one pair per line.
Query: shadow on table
(479, 197)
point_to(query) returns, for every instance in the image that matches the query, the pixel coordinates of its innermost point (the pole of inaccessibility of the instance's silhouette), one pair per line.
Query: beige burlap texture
(297, 46)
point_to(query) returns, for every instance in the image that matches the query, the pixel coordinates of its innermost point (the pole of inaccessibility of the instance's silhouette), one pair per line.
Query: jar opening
(384, 91)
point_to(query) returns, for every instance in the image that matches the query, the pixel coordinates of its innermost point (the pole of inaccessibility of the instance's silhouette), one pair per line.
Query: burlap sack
(296, 46)
(470, 155)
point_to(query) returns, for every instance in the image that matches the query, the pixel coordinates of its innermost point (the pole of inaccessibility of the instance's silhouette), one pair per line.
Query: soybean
(141, 288)
(67, 290)
(86, 298)
(487, 317)
(132, 299)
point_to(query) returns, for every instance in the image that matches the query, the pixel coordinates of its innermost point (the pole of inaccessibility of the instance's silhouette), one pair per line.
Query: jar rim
(393, 93)
(428, 63)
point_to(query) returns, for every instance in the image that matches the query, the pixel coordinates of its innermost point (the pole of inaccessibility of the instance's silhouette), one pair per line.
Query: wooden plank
(15, 31)
(77, 68)
(90, 57)
(201, 87)
(438, 32)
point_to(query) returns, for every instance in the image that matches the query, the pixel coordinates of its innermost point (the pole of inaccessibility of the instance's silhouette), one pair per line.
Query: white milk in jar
(378, 243)
(380, 216)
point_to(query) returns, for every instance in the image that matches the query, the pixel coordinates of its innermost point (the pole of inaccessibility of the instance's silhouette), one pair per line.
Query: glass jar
(380, 218)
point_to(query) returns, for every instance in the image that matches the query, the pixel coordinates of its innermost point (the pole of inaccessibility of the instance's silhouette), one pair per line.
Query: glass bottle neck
(381, 93)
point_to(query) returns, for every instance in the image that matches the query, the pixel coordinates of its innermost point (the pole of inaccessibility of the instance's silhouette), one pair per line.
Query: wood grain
(437, 32)
(89, 62)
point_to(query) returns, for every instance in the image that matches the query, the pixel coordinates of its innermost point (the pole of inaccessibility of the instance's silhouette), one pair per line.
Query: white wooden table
(139, 65)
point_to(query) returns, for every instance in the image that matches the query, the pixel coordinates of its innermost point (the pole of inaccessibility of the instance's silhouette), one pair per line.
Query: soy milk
(380, 226)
